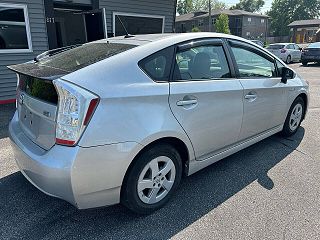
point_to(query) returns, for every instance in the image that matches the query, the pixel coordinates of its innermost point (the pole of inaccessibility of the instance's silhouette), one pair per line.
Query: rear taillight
(283, 50)
(75, 109)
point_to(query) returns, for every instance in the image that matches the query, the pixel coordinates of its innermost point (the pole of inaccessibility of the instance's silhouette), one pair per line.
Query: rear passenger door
(204, 96)
(265, 96)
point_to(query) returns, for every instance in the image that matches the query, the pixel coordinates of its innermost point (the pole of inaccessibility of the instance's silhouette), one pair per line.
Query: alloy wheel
(296, 116)
(156, 180)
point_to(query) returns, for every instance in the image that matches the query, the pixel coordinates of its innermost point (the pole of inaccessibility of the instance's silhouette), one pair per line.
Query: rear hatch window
(276, 46)
(38, 88)
(82, 56)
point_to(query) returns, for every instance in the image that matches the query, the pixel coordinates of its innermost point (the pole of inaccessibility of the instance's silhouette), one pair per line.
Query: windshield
(82, 56)
(276, 46)
(314, 45)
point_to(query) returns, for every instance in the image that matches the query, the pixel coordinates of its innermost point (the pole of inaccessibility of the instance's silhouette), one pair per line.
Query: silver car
(121, 120)
(287, 52)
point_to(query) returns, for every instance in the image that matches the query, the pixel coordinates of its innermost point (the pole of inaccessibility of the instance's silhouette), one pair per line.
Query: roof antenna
(125, 29)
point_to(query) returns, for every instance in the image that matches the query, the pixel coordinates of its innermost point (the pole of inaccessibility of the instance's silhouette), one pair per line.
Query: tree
(195, 29)
(249, 5)
(283, 12)
(222, 24)
(184, 6)
(188, 6)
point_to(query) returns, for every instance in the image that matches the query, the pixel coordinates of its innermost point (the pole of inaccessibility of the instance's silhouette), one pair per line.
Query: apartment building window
(15, 34)
(200, 22)
(249, 19)
(262, 20)
(248, 34)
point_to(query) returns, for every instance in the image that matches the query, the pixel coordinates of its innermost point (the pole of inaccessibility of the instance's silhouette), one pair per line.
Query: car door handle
(251, 96)
(187, 102)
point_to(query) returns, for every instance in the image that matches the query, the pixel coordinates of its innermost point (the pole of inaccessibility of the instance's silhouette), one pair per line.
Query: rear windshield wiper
(54, 52)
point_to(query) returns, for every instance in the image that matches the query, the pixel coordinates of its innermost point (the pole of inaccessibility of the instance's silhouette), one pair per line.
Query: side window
(252, 65)
(296, 47)
(157, 66)
(200, 63)
(290, 46)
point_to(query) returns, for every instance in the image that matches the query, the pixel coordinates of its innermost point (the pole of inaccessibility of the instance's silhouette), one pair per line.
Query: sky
(265, 8)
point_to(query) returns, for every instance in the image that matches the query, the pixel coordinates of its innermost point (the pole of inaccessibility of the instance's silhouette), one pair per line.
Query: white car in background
(288, 52)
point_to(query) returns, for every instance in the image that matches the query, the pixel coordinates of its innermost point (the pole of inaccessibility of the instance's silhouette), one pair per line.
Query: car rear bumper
(85, 177)
(44, 169)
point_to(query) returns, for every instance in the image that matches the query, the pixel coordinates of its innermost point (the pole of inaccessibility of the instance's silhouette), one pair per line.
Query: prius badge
(21, 98)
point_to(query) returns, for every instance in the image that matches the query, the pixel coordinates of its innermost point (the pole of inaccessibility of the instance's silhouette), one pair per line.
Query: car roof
(172, 37)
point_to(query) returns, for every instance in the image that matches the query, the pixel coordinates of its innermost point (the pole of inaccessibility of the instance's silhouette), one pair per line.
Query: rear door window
(201, 63)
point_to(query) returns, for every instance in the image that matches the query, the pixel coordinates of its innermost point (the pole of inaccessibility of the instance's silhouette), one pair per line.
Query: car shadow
(6, 114)
(29, 214)
(311, 65)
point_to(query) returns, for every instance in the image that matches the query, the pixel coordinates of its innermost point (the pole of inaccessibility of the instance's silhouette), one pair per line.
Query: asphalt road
(268, 191)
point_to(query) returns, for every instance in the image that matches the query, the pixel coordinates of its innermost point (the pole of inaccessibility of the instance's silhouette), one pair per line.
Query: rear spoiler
(34, 69)
(38, 71)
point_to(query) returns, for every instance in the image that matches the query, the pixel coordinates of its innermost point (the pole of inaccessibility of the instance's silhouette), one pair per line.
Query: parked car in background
(311, 53)
(287, 52)
(258, 42)
(122, 119)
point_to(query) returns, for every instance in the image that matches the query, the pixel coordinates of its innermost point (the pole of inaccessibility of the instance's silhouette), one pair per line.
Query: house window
(249, 19)
(137, 23)
(262, 20)
(213, 20)
(15, 34)
(248, 34)
(200, 22)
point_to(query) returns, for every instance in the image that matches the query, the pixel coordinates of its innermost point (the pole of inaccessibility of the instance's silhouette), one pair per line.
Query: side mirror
(286, 73)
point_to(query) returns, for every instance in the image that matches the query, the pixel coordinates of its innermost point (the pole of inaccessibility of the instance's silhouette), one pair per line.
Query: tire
(288, 60)
(304, 63)
(294, 117)
(145, 199)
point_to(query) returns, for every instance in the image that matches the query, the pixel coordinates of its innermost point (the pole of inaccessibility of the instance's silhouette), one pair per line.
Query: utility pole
(210, 21)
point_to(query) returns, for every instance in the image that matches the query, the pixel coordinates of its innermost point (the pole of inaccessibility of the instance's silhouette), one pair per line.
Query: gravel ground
(268, 191)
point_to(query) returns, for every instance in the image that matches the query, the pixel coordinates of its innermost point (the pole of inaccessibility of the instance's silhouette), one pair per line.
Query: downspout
(174, 16)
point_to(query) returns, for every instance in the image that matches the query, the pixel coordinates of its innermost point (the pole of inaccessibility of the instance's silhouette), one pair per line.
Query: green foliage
(283, 12)
(184, 6)
(195, 29)
(188, 6)
(249, 5)
(222, 24)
